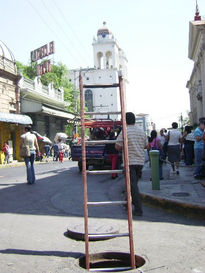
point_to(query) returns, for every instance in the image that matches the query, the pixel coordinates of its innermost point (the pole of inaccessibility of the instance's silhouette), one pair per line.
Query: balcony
(37, 88)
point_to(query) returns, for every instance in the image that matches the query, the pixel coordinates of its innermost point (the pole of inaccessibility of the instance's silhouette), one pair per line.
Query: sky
(153, 35)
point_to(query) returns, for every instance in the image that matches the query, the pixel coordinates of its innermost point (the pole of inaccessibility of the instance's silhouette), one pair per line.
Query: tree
(59, 77)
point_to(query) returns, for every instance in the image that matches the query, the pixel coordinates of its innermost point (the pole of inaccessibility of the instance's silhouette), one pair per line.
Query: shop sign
(42, 52)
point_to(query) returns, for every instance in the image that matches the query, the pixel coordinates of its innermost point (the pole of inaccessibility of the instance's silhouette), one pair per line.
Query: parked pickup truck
(94, 156)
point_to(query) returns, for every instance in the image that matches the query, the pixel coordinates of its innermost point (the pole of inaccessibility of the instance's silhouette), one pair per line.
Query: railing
(36, 86)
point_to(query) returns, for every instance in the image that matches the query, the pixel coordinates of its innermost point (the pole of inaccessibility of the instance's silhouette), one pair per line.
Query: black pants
(135, 174)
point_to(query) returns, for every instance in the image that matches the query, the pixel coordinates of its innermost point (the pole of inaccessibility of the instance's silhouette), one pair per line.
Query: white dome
(8, 59)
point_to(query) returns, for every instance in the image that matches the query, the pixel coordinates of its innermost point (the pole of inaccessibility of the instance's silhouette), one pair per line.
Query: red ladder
(126, 172)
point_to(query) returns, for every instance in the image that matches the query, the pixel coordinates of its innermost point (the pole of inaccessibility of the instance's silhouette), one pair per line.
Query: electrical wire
(70, 27)
(53, 31)
(62, 29)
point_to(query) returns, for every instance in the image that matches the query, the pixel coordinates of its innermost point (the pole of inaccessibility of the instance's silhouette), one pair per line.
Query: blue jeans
(30, 168)
(199, 162)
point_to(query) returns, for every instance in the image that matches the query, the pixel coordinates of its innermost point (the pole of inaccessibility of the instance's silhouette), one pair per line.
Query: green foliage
(28, 71)
(59, 77)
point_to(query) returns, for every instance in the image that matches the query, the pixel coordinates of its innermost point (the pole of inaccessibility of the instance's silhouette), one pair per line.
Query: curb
(187, 209)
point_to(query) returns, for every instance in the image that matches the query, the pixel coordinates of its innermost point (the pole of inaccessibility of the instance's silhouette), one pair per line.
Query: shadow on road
(75, 255)
(58, 192)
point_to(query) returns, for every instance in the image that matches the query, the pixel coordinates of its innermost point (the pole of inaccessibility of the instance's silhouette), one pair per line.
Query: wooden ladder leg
(85, 191)
(127, 173)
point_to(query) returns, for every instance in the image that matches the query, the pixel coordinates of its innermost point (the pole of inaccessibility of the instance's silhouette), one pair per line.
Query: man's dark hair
(174, 125)
(202, 120)
(130, 118)
(28, 128)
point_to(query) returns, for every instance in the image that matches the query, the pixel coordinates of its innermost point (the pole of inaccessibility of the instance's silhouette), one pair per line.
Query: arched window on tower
(100, 60)
(109, 60)
(89, 100)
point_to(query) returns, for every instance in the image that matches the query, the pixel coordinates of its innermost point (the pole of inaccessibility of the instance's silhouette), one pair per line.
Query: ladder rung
(105, 203)
(101, 85)
(93, 142)
(105, 172)
(111, 269)
(108, 235)
(102, 113)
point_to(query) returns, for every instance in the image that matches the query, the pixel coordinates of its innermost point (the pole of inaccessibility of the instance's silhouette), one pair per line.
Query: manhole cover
(77, 231)
(111, 262)
(180, 194)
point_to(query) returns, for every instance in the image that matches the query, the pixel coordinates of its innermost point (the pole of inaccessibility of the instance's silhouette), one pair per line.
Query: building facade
(196, 83)
(11, 121)
(45, 105)
(109, 59)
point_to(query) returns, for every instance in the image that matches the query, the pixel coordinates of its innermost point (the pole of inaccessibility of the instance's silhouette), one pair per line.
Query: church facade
(109, 60)
(196, 83)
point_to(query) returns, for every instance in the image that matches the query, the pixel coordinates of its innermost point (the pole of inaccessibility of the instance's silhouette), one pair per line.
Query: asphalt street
(33, 219)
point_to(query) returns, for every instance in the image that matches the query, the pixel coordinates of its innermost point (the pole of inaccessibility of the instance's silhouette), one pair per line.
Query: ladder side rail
(127, 173)
(85, 196)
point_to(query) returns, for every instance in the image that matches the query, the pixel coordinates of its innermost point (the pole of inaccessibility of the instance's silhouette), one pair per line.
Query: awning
(15, 118)
(57, 113)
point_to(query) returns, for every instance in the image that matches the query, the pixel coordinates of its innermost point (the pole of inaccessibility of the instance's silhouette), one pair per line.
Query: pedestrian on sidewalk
(137, 142)
(199, 150)
(164, 143)
(6, 152)
(55, 152)
(155, 144)
(188, 139)
(174, 139)
(112, 154)
(61, 150)
(29, 139)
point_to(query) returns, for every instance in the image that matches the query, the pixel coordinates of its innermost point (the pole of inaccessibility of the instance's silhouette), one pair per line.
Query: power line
(61, 28)
(69, 25)
(44, 21)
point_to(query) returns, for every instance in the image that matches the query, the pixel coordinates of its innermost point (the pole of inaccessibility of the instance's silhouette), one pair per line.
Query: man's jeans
(199, 162)
(135, 173)
(30, 168)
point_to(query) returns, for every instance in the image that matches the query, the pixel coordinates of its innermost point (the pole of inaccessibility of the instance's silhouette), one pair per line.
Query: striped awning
(15, 118)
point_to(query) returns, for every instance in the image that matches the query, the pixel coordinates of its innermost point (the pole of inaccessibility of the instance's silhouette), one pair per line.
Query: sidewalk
(180, 193)
(16, 163)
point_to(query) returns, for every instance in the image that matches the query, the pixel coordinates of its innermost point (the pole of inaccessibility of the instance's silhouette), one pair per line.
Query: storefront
(11, 128)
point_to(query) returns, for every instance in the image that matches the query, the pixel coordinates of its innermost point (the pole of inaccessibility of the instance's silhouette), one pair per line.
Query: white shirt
(29, 139)
(137, 141)
(174, 136)
(162, 139)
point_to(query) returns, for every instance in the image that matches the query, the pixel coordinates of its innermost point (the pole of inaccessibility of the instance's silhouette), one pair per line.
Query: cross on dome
(197, 16)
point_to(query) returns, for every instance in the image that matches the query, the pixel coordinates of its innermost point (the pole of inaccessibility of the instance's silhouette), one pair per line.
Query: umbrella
(62, 136)
(46, 140)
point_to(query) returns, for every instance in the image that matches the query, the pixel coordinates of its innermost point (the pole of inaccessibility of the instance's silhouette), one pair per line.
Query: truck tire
(80, 167)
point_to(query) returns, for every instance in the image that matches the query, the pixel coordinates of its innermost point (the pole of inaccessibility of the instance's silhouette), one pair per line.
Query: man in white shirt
(137, 142)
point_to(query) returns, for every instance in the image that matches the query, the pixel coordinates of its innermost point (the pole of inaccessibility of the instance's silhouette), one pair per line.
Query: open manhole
(77, 231)
(181, 194)
(110, 262)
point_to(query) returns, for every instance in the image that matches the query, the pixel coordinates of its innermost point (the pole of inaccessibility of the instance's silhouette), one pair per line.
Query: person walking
(61, 150)
(155, 144)
(55, 152)
(112, 154)
(188, 139)
(6, 152)
(137, 142)
(174, 139)
(29, 139)
(199, 150)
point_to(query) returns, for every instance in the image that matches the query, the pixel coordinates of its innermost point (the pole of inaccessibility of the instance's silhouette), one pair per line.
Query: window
(100, 60)
(108, 59)
(89, 100)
